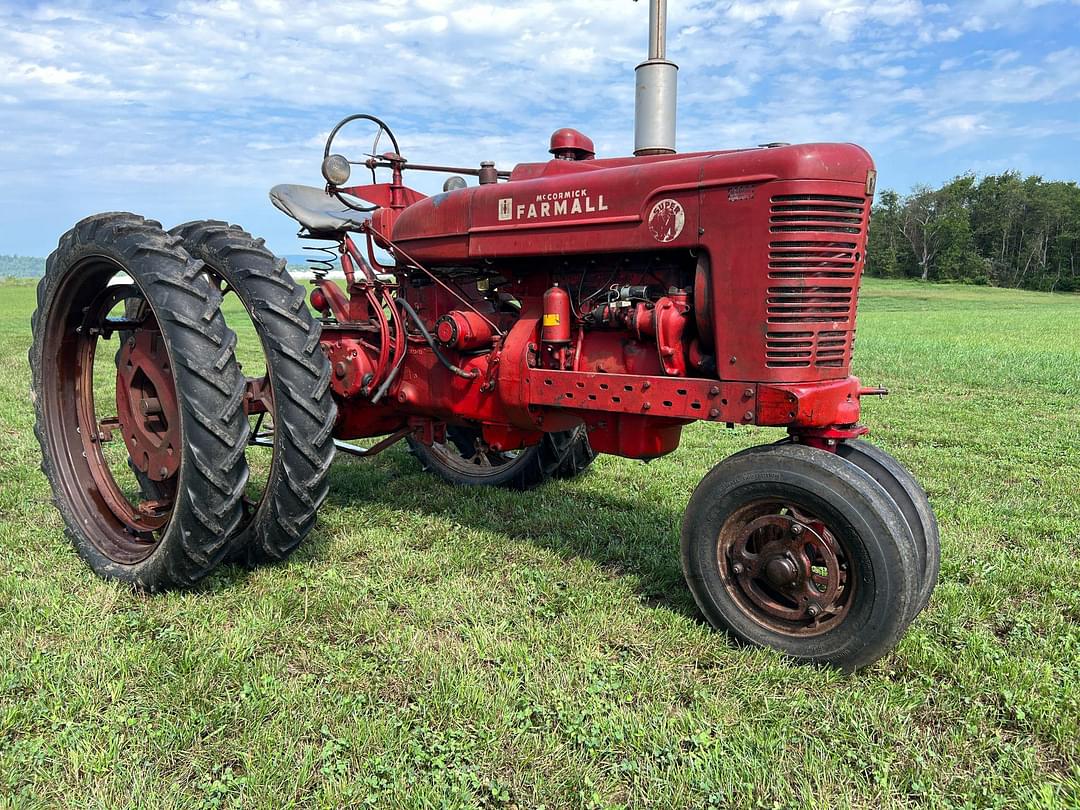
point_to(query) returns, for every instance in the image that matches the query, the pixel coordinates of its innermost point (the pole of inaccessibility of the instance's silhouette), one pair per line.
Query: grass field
(433, 647)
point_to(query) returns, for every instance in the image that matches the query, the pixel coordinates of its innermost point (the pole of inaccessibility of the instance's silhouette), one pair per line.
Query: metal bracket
(266, 439)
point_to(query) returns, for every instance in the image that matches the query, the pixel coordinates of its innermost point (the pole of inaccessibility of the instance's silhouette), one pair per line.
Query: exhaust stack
(654, 99)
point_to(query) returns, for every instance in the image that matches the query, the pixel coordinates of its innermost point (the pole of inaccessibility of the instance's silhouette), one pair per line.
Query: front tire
(793, 548)
(911, 498)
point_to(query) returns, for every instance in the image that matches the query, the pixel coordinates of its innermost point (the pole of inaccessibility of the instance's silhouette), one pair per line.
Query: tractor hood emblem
(552, 204)
(666, 220)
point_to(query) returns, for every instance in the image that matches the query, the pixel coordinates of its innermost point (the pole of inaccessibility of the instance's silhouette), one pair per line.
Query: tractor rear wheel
(301, 407)
(797, 549)
(465, 459)
(176, 392)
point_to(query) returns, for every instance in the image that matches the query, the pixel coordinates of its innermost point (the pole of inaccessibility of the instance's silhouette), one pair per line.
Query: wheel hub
(784, 568)
(781, 572)
(146, 405)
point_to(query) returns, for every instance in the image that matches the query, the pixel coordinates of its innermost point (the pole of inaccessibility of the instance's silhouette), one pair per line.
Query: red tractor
(508, 331)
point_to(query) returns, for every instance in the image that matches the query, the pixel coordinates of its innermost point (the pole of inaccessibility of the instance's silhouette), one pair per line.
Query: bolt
(748, 415)
(131, 342)
(646, 406)
(714, 391)
(796, 529)
(164, 471)
(812, 611)
(339, 368)
(645, 386)
(737, 569)
(714, 412)
(748, 392)
(732, 359)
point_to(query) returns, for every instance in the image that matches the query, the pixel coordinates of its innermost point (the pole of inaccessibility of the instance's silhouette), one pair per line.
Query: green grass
(433, 647)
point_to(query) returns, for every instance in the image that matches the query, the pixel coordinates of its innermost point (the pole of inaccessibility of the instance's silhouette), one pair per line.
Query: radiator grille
(814, 260)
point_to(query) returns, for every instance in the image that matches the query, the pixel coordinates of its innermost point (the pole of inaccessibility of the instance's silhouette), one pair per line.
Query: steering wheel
(382, 127)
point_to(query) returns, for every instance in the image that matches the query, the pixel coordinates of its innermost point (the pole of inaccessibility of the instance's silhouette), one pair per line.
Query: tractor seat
(316, 210)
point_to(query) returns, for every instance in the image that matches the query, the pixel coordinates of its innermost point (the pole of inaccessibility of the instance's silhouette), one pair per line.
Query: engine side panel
(783, 229)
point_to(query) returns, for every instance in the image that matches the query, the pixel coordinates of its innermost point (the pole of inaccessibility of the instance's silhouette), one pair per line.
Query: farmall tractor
(508, 330)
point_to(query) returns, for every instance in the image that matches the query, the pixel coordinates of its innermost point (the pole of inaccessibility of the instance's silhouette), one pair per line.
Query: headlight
(336, 170)
(454, 183)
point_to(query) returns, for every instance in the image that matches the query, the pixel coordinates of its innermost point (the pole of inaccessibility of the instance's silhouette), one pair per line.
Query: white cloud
(425, 25)
(223, 98)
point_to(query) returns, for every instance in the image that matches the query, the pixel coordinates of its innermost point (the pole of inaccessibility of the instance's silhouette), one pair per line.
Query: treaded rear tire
(209, 387)
(304, 408)
(562, 455)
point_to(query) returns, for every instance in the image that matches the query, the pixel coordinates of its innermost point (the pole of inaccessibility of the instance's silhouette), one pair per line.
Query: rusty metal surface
(784, 568)
(146, 405)
(78, 330)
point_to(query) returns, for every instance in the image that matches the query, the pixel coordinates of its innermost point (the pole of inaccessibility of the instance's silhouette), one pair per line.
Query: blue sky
(187, 109)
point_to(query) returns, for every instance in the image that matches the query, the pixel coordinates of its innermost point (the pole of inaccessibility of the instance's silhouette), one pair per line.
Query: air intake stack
(654, 100)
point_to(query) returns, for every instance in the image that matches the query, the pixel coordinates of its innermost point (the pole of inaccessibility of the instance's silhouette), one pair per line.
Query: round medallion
(666, 220)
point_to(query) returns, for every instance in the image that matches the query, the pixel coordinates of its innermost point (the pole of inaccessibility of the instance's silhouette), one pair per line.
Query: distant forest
(34, 266)
(1003, 230)
(21, 266)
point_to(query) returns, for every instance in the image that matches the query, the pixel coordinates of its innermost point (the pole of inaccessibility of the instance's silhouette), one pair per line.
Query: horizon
(195, 108)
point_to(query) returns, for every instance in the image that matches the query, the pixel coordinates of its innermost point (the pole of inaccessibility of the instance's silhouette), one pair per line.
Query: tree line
(21, 266)
(1003, 230)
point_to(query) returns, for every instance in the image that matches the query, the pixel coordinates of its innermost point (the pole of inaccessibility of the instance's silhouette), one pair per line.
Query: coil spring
(320, 266)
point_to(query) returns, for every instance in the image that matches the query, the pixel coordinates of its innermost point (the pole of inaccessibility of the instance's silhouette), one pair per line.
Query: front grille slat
(815, 255)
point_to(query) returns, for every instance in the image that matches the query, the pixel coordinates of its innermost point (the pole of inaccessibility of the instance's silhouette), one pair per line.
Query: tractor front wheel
(797, 549)
(911, 498)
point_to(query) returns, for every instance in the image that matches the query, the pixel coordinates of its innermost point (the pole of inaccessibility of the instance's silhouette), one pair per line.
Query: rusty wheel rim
(785, 568)
(119, 516)
(465, 451)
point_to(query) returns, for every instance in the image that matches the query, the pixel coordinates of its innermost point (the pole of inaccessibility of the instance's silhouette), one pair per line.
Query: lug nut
(796, 529)
(737, 569)
(812, 611)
